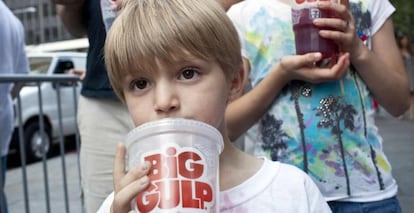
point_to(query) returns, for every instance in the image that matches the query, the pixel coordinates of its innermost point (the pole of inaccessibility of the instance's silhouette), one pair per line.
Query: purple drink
(307, 37)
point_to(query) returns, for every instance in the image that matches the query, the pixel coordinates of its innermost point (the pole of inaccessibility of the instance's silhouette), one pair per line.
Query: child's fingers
(343, 20)
(340, 9)
(317, 74)
(334, 73)
(127, 185)
(333, 35)
(123, 198)
(341, 66)
(122, 178)
(342, 31)
(334, 24)
(294, 62)
(138, 172)
(130, 191)
(119, 165)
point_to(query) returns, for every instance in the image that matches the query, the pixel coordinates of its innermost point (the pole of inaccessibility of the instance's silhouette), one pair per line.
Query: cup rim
(175, 124)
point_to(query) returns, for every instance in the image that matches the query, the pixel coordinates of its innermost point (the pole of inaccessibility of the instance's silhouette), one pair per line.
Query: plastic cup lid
(171, 125)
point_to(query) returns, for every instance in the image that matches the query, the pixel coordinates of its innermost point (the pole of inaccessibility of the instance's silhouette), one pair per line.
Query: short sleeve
(380, 12)
(234, 15)
(21, 65)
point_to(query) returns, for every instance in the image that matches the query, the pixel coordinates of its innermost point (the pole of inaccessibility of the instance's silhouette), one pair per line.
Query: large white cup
(184, 157)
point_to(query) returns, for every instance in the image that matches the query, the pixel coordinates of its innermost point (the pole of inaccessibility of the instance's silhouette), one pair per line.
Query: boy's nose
(166, 99)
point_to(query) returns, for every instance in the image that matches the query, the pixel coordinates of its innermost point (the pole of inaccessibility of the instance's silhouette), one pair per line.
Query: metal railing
(70, 81)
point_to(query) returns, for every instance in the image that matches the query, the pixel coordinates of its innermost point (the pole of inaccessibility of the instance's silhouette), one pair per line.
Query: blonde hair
(169, 30)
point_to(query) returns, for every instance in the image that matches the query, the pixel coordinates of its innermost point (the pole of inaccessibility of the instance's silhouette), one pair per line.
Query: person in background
(162, 68)
(103, 121)
(407, 54)
(13, 60)
(319, 120)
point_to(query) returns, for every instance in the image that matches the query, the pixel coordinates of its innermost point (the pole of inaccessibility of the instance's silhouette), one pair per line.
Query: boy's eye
(188, 74)
(140, 84)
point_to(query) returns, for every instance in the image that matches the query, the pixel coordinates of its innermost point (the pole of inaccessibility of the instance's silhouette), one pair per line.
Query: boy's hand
(127, 185)
(301, 67)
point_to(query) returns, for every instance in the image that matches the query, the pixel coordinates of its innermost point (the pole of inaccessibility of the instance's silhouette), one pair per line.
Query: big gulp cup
(307, 37)
(184, 158)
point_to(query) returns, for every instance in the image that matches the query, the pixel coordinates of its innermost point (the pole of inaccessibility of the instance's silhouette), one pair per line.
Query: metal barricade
(35, 199)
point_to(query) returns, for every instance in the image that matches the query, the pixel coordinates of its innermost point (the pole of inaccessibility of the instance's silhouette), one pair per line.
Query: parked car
(47, 63)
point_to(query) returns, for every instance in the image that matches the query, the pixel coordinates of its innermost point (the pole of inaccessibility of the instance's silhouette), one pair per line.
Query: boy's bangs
(171, 39)
(145, 62)
(151, 31)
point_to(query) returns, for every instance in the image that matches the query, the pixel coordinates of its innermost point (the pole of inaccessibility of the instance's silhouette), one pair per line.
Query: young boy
(182, 59)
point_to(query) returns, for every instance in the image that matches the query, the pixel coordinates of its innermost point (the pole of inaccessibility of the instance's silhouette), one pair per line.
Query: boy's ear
(238, 83)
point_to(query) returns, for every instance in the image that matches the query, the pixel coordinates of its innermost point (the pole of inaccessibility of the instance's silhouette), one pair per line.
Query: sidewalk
(399, 146)
(36, 187)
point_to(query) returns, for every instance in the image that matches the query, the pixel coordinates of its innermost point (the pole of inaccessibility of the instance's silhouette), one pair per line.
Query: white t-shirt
(276, 187)
(12, 61)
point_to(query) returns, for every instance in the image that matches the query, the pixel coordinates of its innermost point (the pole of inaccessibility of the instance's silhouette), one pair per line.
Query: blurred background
(42, 24)
(404, 17)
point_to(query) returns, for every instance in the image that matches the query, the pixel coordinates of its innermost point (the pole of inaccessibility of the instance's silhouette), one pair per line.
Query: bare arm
(71, 14)
(383, 71)
(381, 68)
(243, 112)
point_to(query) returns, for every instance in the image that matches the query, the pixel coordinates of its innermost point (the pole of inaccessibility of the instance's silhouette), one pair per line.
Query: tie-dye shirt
(327, 129)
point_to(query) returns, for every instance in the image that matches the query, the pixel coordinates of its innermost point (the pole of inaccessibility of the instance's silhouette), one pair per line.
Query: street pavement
(399, 147)
(398, 144)
(37, 190)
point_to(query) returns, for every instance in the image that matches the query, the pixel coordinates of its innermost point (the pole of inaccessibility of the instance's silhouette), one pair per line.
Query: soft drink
(184, 157)
(307, 37)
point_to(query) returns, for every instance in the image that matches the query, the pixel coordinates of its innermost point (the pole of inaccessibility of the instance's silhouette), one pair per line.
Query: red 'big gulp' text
(175, 182)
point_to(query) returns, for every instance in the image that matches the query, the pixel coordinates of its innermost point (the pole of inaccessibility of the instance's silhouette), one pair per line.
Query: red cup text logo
(176, 182)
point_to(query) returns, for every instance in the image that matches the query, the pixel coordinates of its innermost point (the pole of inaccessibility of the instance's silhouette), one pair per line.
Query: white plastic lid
(174, 125)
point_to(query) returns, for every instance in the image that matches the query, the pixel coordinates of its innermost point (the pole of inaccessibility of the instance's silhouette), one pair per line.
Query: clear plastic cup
(307, 37)
(184, 157)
